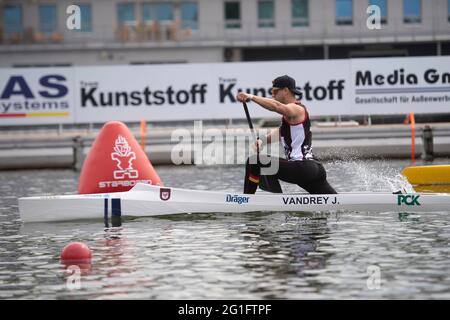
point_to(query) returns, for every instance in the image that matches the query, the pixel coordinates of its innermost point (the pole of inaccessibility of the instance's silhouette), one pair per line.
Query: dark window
(266, 14)
(125, 14)
(157, 12)
(344, 12)
(448, 10)
(189, 15)
(383, 8)
(412, 12)
(232, 15)
(86, 17)
(300, 16)
(47, 18)
(12, 19)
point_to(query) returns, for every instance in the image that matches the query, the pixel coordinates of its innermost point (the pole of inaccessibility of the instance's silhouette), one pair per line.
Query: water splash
(376, 176)
(399, 182)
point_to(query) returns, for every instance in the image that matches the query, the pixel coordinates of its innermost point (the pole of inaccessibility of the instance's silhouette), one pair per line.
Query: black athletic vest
(297, 138)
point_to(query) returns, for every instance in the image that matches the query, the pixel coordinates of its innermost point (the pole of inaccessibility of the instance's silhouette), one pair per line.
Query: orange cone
(116, 162)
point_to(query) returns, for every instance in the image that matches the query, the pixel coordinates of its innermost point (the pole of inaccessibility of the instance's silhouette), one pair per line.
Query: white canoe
(149, 200)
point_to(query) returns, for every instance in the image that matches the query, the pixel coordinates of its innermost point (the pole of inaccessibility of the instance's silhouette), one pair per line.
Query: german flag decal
(254, 179)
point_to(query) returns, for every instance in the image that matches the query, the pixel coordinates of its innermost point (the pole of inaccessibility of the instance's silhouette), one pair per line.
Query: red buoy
(115, 162)
(76, 251)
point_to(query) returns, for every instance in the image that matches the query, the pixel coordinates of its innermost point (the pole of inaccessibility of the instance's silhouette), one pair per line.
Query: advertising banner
(202, 91)
(174, 92)
(400, 85)
(36, 96)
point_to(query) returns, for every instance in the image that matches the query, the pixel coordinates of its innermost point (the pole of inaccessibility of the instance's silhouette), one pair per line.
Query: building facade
(42, 33)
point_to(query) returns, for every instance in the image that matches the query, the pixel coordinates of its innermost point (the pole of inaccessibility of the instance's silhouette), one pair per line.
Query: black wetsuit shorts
(308, 174)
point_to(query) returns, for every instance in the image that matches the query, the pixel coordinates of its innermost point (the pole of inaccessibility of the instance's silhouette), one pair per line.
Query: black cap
(286, 82)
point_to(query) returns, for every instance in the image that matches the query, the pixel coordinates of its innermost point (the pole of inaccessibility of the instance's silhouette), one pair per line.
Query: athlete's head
(283, 85)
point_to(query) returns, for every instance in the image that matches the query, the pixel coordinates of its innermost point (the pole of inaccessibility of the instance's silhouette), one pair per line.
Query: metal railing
(69, 151)
(317, 31)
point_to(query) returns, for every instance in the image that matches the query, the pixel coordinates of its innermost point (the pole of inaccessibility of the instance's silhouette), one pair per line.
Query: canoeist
(299, 167)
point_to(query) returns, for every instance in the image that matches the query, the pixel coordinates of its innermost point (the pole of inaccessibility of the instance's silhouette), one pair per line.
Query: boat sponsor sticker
(164, 194)
(93, 195)
(122, 183)
(236, 199)
(310, 200)
(409, 200)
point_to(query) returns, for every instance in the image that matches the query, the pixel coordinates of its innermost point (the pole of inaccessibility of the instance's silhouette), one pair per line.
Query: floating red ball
(76, 251)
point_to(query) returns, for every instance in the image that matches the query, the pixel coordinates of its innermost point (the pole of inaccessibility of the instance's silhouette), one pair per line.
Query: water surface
(229, 256)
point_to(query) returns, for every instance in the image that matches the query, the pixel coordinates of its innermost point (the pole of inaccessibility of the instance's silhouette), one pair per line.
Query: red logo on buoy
(164, 194)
